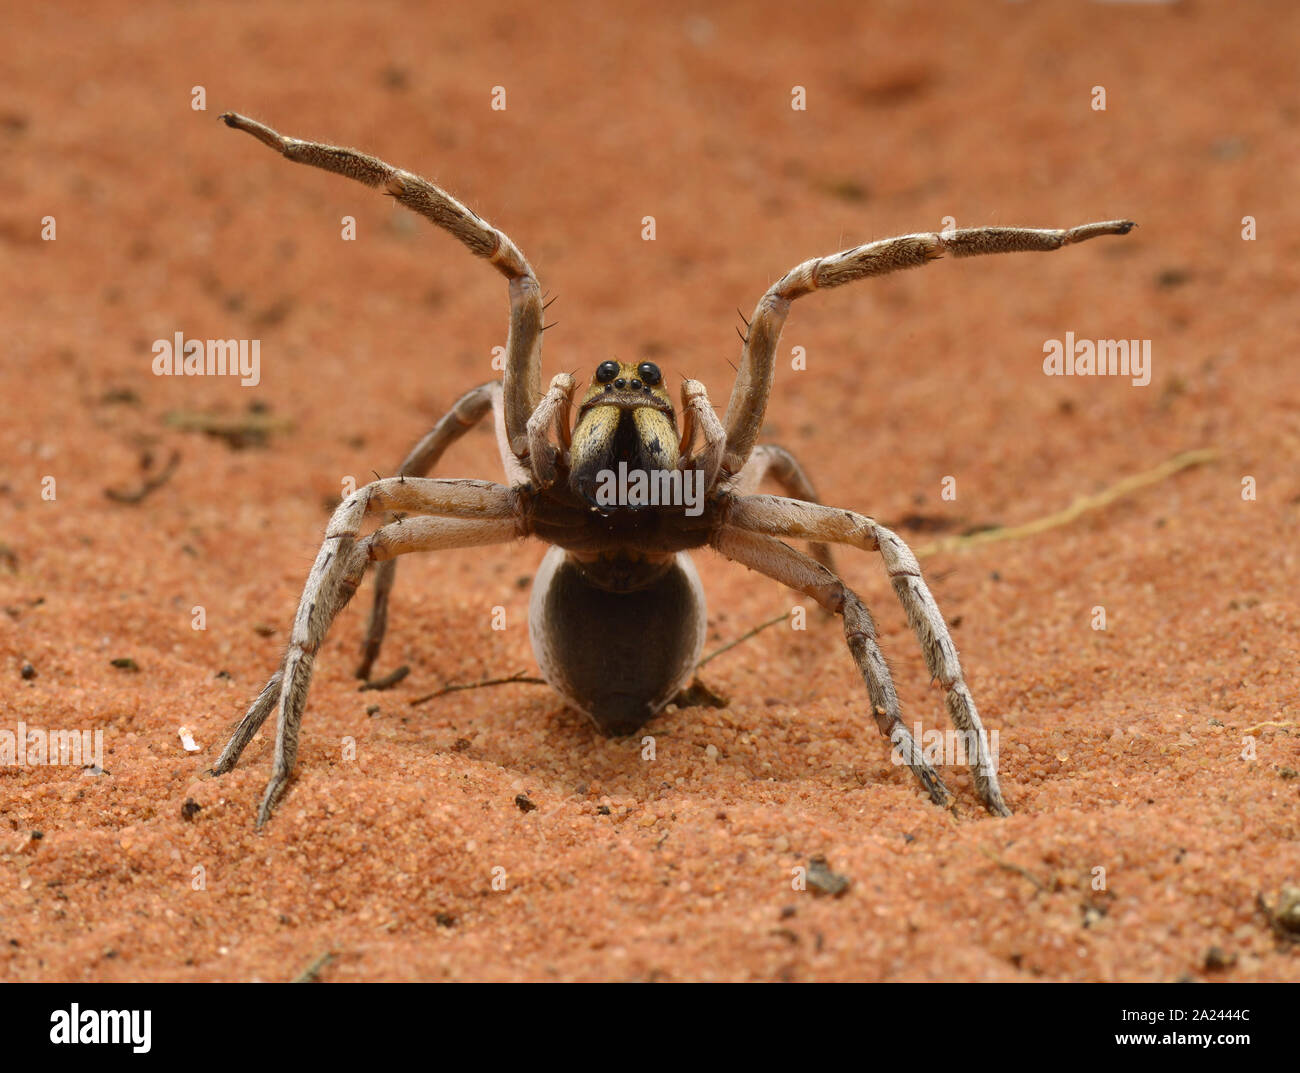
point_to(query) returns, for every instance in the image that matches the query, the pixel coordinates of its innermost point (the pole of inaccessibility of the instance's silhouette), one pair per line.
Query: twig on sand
(1261, 726)
(741, 639)
(386, 682)
(1017, 869)
(311, 974)
(1082, 505)
(150, 483)
(252, 429)
(517, 678)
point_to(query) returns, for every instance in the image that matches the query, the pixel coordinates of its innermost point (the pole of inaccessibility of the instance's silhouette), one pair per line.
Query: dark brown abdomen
(618, 656)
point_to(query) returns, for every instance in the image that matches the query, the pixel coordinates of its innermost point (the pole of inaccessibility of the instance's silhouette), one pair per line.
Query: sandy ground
(1151, 766)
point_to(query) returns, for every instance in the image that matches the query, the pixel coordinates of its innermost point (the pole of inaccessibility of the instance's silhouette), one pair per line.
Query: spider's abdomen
(617, 641)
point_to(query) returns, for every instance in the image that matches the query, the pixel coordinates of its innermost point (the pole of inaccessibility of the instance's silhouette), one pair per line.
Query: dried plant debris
(1284, 914)
(821, 880)
(151, 482)
(311, 974)
(1082, 505)
(387, 681)
(699, 695)
(251, 429)
(516, 678)
(1216, 960)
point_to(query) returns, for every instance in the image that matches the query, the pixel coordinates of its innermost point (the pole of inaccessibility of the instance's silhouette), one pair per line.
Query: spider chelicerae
(619, 573)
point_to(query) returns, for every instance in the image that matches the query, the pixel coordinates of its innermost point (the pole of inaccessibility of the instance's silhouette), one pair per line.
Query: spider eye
(606, 371)
(650, 373)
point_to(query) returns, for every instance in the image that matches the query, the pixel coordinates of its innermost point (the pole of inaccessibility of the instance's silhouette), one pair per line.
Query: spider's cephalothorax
(617, 613)
(617, 626)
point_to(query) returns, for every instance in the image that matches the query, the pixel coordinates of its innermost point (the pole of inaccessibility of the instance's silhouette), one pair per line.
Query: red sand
(1120, 750)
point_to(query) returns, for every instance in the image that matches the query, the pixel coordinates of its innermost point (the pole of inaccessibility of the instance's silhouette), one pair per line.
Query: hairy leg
(775, 516)
(523, 372)
(753, 386)
(468, 410)
(768, 460)
(455, 514)
(698, 415)
(782, 563)
(552, 411)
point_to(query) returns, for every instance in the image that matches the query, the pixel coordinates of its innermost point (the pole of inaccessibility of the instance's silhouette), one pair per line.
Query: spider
(619, 573)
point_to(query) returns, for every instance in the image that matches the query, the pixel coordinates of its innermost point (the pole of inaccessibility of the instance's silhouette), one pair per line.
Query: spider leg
(455, 514)
(553, 410)
(468, 410)
(698, 415)
(783, 563)
(753, 385)
(249, 725)
(523, 372)
(768, 460)
(775, 516)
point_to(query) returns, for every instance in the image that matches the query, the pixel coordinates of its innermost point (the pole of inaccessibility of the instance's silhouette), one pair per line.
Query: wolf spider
(617, 575)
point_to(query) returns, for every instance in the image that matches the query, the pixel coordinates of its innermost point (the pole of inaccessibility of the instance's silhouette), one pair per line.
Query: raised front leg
(523, 372)
(753, 384)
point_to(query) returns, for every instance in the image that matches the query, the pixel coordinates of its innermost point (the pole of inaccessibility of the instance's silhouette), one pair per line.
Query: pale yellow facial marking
(619, 390)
